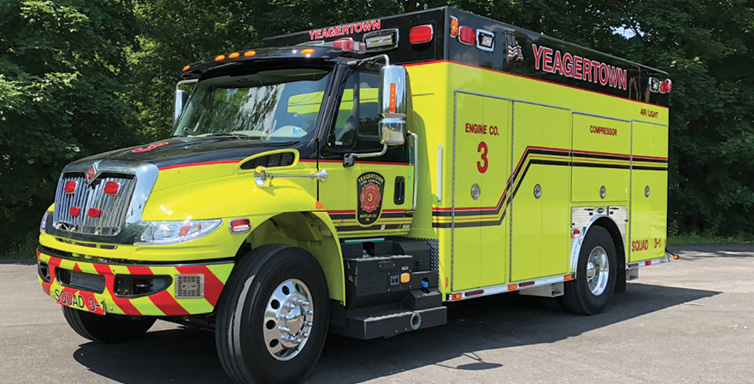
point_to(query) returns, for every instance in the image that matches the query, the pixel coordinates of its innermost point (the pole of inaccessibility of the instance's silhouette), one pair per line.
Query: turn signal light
(453, 26)
(111, 188)
(70, 186)
(456, 296)
(512, 287)
(392, 98)
(94, 212)
(421, 34)
(240, 225)
(467, 35)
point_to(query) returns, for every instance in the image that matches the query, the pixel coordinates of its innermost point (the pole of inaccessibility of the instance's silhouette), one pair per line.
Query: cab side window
(356, 121)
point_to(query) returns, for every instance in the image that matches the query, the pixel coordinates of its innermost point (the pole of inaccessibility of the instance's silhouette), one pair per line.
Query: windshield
(274, 105)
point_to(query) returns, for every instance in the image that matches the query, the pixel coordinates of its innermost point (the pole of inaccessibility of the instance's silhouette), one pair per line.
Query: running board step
(390, 322)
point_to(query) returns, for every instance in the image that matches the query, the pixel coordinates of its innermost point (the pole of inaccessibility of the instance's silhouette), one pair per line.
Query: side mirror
(393, 102)
(181, 97)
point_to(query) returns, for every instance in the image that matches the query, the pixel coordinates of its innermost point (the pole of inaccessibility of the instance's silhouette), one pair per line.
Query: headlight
(173, 232)
(43, 224)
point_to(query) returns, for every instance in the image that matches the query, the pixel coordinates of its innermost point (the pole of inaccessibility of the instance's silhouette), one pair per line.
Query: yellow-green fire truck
(357, 178)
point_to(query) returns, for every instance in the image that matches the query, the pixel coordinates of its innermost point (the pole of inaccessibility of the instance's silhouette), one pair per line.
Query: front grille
(112, 208)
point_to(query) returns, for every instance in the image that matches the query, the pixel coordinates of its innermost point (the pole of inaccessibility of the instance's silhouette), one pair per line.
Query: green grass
(695, 238)
(26, 250)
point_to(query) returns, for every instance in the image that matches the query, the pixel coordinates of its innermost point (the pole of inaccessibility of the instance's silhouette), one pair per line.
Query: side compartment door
(649, 185)
(541, 182)
(480, 174)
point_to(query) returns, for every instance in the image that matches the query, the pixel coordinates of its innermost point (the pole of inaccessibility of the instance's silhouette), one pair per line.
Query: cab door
(372, 197)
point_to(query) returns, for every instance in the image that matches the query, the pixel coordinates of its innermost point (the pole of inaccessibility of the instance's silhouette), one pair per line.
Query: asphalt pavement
(690, 321)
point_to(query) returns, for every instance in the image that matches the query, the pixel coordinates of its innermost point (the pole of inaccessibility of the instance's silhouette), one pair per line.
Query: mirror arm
(180, 98)
(350, 158)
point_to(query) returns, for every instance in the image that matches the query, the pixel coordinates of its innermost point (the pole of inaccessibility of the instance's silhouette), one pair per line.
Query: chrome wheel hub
(597, 271)
(288, 319)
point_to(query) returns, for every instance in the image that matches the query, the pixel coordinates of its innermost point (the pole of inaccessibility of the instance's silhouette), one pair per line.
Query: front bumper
(99, 287)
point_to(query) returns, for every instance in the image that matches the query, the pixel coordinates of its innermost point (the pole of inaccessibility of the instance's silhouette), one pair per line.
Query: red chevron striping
(76, 267)
(124, 304)
(168, 304)
(140, 270)
(213, 287)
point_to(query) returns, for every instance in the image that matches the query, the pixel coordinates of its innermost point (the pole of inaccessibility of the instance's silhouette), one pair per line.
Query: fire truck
(357, 179)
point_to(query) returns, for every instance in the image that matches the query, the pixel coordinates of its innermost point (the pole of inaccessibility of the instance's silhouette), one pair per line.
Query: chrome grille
(113, 208)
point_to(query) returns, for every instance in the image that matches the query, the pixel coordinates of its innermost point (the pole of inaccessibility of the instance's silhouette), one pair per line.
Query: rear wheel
(106, 329)
(273, 317)
(594, 286)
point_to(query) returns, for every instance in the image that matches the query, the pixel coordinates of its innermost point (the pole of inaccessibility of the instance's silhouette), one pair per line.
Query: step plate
(388, 323)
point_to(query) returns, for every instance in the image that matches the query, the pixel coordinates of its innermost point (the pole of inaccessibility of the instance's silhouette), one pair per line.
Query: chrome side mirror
(393, 103)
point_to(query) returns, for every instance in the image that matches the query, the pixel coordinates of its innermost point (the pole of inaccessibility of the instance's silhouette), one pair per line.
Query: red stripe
(124, 304)
(140, 270)
(198, 164)
(532, 78)
(76, 267)
(168, 304)
(520, 162)
(212, 285)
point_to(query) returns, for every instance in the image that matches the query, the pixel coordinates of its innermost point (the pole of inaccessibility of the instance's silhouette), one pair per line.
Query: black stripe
(490, 212)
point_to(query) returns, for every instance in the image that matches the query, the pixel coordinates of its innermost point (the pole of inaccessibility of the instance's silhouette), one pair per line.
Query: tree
(62, 65)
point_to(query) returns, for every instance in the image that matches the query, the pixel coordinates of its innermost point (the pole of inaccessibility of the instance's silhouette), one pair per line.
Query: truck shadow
(507, 321)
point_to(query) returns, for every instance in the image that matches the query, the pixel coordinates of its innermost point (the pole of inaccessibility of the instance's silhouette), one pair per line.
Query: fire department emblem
(370, 188)
(91, 174)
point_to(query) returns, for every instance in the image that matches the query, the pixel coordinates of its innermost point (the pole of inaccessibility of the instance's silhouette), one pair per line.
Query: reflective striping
(159, 304)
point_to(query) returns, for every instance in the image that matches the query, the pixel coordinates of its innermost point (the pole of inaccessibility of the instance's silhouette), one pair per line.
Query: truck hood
(191, 150)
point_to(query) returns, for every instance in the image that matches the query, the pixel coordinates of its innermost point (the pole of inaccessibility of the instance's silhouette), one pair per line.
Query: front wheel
(106, 329)
(273, 317)
(596, 272)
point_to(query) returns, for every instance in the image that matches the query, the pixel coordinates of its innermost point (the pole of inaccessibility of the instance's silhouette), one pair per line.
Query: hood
(190, 150)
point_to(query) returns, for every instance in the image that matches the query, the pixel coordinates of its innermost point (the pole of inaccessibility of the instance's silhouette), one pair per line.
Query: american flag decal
(514, 50)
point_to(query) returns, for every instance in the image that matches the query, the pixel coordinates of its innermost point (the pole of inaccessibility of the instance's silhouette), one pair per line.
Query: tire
(590, 295)
(251, 345)
(106, 329)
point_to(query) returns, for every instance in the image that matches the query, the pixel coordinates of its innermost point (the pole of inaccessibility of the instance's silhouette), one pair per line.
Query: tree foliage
(78, 77)
(62, 70)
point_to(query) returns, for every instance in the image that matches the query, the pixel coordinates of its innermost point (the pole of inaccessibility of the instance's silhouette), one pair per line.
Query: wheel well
(620, 251)
(306, 230)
